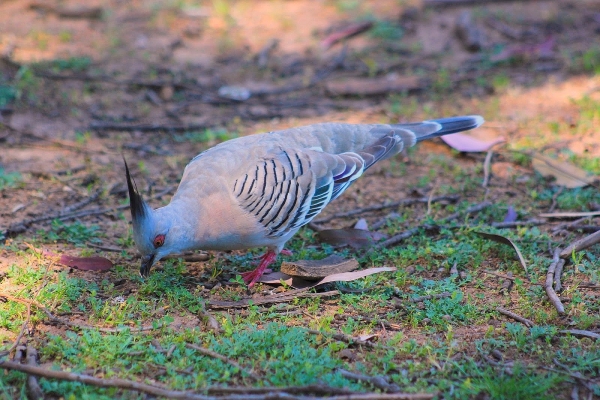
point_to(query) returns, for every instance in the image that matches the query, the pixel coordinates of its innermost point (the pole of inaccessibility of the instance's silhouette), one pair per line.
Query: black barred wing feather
(288, 190)
(277, 191)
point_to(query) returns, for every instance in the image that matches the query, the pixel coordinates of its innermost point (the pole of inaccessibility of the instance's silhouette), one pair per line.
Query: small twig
(558, 275)
(226, 360)
(583, 228)
(403, 202)
(528, 323)
(82, 203)
(486, 168)
(34, 390)
(581, 332)
(580, 244)
(277, 298)
(549, 279)
(554, 199)
(20, 227)
(516, 224)
(309, 389)
(378, 381)
(408, 233)
(342, 337)
(421, 299)
(92, 380)
(21, 332)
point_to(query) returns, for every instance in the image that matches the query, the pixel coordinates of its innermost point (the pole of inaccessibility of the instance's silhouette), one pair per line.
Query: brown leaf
(355, 238)
(95, 263)
(470, 144)
(566, 174)
(507, 241)
(295, 282)
(318, 269)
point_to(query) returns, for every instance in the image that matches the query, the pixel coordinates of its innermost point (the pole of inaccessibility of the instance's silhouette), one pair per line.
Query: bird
(259, 190)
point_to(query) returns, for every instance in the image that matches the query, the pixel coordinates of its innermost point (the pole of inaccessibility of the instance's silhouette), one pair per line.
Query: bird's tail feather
(450, 125)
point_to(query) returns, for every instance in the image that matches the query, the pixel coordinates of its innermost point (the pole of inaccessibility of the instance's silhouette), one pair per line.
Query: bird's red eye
(159, 240)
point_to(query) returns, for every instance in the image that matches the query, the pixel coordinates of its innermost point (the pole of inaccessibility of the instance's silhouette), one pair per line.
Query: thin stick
(581, 244)
(421, 299)
(406, 234)
(33, 387)
(226, 360)
(486, 168)
(558, 275)
(278, 298)
(21, 333)
(20, 227)
(378, 381)
(342, 337)
(92, 380)
(549, 279)
(403, 202)
(528, 323)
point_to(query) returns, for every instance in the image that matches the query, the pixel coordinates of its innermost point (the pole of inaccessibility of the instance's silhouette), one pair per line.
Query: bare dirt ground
(83, 84)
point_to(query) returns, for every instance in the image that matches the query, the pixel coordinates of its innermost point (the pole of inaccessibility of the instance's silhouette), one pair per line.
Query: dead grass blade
(552, 296)
(507, 241)
(277, 298)
(566, 174)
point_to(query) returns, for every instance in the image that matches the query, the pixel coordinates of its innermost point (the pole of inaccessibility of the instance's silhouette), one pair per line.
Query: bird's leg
(252, 277)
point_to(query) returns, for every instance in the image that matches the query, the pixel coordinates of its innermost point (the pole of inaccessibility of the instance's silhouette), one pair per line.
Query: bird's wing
(292, 185)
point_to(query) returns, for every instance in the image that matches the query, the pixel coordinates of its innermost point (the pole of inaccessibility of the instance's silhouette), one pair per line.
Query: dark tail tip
(136, 203)
(454, 125)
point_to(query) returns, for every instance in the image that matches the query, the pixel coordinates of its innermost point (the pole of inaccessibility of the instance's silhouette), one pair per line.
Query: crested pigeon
(259, 190)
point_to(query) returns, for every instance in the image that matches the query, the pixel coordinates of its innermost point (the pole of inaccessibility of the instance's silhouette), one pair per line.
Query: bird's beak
(147, 262)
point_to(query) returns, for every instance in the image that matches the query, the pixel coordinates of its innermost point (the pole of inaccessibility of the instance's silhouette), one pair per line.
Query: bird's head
(150, 229)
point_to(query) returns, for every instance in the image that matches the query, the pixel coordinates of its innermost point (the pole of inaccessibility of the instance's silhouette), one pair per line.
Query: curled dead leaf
(566, 174)
(355, 238)
(507, 241)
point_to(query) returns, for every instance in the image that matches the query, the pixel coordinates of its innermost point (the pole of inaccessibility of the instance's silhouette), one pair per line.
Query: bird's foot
(286, 252)
(252, 277)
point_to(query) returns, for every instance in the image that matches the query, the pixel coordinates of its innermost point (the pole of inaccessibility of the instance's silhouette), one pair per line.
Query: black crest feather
(136, 203)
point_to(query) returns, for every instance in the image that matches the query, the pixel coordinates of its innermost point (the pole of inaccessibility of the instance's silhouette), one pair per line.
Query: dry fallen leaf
(95, 263)
(355, 238)
(470, 144)
(507, 241)
(566, 174)
(275, 278)
(318, 269)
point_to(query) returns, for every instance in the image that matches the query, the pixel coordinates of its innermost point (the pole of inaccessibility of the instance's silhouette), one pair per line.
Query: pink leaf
(511, 215)
(469, 144)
